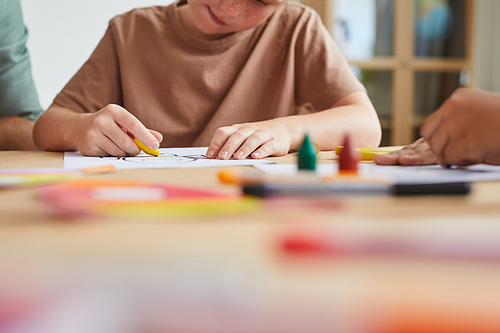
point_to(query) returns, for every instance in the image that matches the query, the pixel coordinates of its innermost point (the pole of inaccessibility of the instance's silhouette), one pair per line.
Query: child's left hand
(258, 140)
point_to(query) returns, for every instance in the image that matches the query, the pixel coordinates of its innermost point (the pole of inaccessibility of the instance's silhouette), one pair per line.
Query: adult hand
(417, 153)
(465, 129)
(258, 140)
(110, 131)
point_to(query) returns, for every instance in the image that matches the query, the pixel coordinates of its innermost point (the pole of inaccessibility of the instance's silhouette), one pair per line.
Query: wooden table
(227, 272)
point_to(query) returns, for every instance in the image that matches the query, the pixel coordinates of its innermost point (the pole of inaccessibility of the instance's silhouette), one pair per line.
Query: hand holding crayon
(109, 132)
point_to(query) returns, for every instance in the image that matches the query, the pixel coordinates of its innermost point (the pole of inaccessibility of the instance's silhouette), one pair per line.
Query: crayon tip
(297, 244)
(309, 243)
(228, 176)
(348, 158)
(307, 155)
(146, 149)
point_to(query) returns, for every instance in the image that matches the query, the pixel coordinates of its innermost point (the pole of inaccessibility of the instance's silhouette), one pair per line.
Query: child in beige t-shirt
(227, 74)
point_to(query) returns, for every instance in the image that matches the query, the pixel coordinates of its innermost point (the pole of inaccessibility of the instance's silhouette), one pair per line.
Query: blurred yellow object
(366, 154)
(316, 147)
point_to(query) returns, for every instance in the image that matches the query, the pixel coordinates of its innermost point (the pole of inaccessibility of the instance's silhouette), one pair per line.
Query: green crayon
(307, 155)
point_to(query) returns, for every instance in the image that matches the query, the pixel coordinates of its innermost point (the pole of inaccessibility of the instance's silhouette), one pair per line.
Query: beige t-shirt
(186, 88)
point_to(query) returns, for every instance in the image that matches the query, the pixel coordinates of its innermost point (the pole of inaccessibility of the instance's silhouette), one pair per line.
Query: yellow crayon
(145, 149)
(367, 154)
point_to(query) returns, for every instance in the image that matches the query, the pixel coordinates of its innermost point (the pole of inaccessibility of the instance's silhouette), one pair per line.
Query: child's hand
(110, 131)
(464, 130)
(258, 140)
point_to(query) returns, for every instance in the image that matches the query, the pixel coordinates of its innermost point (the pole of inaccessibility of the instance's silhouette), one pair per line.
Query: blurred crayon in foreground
(360, 244)
(307, 155)
(349, 158)
(425, 316)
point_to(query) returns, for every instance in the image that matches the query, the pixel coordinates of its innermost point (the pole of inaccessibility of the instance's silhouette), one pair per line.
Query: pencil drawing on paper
(190, 157)
(163, 159)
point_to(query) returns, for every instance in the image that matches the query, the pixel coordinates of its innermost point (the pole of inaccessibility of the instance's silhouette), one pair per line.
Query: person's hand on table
(258, 140)
(417, 153)
(465, 130)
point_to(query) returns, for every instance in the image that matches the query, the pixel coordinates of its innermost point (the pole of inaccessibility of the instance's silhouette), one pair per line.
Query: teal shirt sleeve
(18, 96)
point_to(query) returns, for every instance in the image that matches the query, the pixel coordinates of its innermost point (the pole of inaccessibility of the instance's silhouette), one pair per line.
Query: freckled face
(221, 17)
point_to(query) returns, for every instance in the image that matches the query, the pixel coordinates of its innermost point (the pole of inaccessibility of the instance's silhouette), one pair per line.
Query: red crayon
(349, 157)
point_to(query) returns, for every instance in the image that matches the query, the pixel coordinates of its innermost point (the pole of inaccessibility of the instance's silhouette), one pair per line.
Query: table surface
(234, 262)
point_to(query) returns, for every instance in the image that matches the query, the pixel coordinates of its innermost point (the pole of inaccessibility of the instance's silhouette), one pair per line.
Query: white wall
(63, 34)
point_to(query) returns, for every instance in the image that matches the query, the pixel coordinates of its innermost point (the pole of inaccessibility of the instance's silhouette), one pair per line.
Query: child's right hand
(110, 131)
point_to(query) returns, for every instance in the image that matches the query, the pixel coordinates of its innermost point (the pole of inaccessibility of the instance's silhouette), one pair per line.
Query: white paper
(192, 157)
(401, 174)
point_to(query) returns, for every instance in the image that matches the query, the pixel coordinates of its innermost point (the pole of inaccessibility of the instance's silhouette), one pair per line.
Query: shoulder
(140, 18)
(296, 13)
(11, 22)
